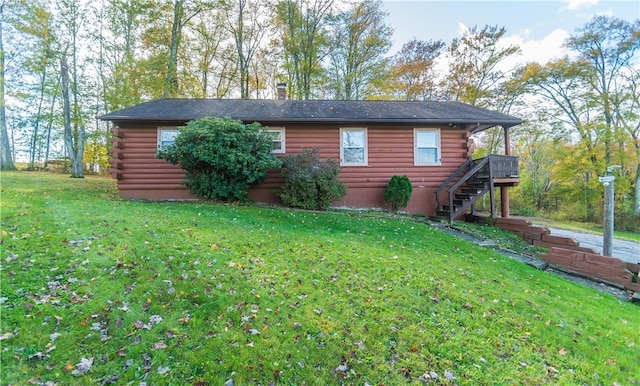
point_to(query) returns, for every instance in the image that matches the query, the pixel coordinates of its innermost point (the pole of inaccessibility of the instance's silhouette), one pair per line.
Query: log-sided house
(430, 142)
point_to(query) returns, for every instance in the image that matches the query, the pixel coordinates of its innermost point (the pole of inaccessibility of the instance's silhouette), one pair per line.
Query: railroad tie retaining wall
(539, 236)
(567, 252)
(605, 268)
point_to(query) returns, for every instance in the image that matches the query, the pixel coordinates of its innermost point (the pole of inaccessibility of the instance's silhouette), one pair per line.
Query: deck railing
(499, 166)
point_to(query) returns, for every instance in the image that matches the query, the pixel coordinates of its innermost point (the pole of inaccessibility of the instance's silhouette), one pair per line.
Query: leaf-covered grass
(99, 290)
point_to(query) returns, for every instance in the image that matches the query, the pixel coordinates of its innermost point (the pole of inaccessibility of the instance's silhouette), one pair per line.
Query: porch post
(504, 191)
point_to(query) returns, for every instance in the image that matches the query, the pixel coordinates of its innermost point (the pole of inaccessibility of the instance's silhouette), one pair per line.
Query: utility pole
(609, 208)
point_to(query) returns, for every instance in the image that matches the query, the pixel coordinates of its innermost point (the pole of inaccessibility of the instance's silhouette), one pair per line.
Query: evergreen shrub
(310, 183)
(398, 192)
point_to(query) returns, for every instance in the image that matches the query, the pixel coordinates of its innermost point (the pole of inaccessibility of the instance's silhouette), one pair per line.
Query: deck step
(459, 202)
(442, 213)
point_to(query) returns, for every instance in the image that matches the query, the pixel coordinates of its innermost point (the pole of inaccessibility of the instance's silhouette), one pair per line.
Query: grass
(96, 289)
(502, 238)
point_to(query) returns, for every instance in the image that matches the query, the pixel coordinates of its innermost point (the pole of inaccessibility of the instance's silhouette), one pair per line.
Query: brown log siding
(390, 151)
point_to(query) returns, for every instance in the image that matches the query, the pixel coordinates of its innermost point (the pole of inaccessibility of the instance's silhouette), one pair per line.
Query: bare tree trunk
(49, 125)
(171, 84)
(6, 161)
(36, 129)
(75, 150)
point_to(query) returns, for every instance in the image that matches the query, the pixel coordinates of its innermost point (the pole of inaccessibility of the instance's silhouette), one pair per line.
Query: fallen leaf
(551, 370)
(342, 368)
(111, 380)
(83, 366)
(449, 375)
(159, 345)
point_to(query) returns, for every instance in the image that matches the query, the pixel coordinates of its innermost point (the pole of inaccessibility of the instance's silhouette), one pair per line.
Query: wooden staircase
(463, 200)
(480, 177)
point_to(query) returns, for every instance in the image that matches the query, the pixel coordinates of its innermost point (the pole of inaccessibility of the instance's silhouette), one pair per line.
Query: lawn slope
(100, 290)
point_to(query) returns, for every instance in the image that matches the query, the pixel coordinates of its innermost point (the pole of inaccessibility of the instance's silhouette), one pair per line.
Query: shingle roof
(327, 111)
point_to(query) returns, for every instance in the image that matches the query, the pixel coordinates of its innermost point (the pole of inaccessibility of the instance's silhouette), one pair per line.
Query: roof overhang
(441, 114)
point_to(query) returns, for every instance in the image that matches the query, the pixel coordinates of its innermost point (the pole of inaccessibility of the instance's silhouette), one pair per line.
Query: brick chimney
(282, 91)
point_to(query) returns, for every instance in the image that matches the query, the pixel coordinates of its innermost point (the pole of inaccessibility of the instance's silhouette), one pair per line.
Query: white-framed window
(353, 146)
(277, 138)
(426, 147)
(167, 136)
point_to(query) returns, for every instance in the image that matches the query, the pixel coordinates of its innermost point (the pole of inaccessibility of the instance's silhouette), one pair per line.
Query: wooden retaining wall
(539, 236)
(567, 253)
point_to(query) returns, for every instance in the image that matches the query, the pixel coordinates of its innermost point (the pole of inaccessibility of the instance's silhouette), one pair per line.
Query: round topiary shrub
(398, 192)
(221, 157)
(310, 183)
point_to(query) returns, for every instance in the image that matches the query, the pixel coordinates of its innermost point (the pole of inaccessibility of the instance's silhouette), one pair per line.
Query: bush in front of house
(221, 157)
(310, 183)
(398, 192)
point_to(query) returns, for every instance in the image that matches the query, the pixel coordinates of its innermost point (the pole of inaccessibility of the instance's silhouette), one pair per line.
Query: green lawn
(100, 290)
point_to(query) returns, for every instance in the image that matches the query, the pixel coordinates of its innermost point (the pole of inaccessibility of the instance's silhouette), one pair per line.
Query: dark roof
(328, 111)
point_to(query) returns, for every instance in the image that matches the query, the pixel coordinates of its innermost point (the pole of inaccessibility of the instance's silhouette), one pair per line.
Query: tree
(6, 161)
(73, 139)
(627, 107)
(246, 22)
(34, 20)
(209, 51)
(606, 45)
(221, 157)
(414, 69)
(534, 146)
(359, 40)
(475, 70)
(74, 82)
(120, 59)
(301, 25)
(181, 16)
(560, 85)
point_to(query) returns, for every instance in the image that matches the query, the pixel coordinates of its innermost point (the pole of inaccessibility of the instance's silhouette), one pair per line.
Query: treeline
(582, 111)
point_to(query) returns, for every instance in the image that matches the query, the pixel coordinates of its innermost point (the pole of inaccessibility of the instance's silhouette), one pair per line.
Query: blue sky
(538, 27)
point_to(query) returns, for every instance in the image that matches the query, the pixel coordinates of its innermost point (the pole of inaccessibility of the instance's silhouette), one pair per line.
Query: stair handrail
(462, 167)
(461, 181)
(469, 174)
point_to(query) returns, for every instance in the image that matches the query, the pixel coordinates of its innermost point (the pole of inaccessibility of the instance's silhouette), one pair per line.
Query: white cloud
(577, 4)
(531, 50)
(543, 50)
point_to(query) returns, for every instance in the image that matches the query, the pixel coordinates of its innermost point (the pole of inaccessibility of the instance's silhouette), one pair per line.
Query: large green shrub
(221, 157)
(398, 192)
(310, 183)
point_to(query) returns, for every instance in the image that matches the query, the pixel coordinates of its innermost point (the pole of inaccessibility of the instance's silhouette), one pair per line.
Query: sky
(537, 27)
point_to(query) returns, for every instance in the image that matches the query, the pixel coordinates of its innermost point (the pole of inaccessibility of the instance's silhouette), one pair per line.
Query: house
(372, 140)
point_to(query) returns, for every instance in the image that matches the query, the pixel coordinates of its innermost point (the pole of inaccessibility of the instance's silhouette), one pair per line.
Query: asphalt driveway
(624, 250)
